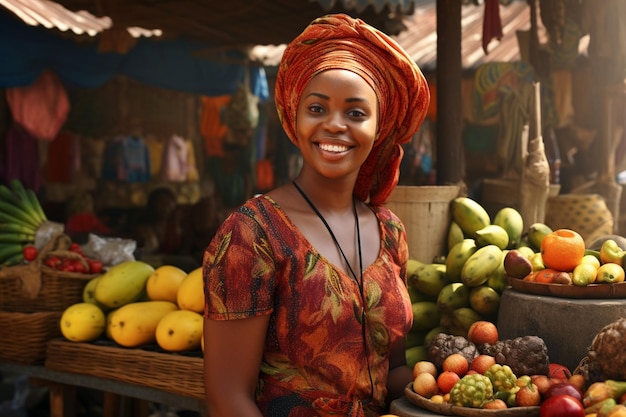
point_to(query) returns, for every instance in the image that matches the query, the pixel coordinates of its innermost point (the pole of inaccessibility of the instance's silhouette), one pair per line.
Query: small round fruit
(610, 273)
(482, 331)
(425, 385)
(446, 380)
(481, 363)
(456, 363)
(424, 366)
(562, 250)
(82, 322)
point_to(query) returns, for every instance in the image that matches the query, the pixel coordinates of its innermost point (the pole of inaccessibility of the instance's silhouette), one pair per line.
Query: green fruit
(428, 279)
(469, 215)
(479, 267)
(455, 235)
(536, 233)
(426, 315)
(492, 235)
(484, 300)
(415, 354)
(453, 296)
(457, 257)
(510, 220)
(464, 317)
(432, 333)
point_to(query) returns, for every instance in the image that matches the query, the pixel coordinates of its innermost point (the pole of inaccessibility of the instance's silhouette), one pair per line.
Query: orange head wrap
(341, 42)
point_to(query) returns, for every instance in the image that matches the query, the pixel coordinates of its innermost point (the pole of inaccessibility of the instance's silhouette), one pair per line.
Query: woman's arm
(400, 375)
(232, 356)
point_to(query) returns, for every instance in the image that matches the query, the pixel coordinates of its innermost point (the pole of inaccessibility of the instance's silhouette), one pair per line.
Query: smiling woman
(305, 286)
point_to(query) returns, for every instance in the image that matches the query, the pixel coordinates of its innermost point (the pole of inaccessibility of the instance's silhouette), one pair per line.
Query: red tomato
(75, 247)
(29, 252)
(52, 262)
(561, 406)
(95, 266)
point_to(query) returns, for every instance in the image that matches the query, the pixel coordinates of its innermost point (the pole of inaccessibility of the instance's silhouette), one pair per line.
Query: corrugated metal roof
(50, 14)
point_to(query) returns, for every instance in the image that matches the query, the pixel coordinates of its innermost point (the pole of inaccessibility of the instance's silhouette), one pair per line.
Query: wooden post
(450, 156)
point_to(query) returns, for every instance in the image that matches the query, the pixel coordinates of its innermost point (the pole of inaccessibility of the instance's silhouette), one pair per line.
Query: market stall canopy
(27, 51)
(232, 23)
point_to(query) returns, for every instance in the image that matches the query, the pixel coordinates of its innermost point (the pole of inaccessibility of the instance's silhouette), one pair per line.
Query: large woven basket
(169, 372)
(35, 287)
(24, 335)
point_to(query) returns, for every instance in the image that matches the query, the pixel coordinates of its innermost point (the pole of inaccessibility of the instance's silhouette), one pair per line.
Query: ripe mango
(191, 292)
(163, 283)
(123, 283)
(180, 331)
(82, 322)
(134, 324)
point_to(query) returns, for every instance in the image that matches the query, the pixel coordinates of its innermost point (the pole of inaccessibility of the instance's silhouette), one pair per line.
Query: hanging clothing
(126, 159)
(42, 107)
(20, 158)
(64, 158)
(179, 163)
(213, 124)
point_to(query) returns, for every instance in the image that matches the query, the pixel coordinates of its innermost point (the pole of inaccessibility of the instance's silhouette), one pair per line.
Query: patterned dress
(317, 361)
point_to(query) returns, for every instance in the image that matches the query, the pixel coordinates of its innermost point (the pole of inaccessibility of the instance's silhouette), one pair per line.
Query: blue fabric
(25, 51)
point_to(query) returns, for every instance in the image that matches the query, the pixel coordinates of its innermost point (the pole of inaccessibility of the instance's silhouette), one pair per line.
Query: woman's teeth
(333, 148)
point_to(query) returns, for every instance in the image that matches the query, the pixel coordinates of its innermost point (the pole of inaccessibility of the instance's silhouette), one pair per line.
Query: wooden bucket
(425, 212)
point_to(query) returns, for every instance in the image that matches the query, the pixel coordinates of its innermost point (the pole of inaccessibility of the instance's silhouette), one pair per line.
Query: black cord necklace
(359, 279)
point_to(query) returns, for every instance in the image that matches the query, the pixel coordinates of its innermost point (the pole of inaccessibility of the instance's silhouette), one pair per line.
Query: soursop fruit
(606, 357)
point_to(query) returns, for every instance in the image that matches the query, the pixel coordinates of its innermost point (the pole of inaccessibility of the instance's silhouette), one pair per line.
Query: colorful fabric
(259, 263)
(341, 42)
(42, 107)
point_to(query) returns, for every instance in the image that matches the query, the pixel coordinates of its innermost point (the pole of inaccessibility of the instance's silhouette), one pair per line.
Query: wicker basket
(35, 287)
(25, 335)
(169, 372)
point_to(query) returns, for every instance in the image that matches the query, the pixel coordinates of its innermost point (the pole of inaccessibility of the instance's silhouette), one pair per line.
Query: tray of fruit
(565, 268)
(448, 409)
(602, 290)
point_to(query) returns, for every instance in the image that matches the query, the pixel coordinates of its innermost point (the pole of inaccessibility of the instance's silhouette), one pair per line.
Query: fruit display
(139, 305)
(465, 285)
(21, 215)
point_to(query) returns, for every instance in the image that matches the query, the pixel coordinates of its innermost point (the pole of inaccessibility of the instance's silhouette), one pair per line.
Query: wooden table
(120, 398)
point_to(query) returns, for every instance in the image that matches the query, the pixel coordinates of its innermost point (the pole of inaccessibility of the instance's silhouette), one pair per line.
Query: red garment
(492, 24)
(41, 107)
(212, 126)
(314, 362)
(86, 223)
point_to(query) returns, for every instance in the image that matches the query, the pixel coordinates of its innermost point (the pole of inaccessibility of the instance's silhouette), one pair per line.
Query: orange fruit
(446, 380)
(562, 250)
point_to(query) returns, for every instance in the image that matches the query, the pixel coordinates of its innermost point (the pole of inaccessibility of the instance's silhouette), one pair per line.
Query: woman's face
(337, 122)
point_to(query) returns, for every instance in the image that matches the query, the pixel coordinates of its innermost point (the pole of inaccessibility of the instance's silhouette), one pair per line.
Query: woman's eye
(316, 108)
(356, 113)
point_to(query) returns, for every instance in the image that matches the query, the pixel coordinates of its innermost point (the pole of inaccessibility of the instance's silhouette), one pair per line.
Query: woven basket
(35, 287)
(169, 372)
(25, 335)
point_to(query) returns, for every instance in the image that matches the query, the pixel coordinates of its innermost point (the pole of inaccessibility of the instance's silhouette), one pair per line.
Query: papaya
(134, 324)
(123, 283)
